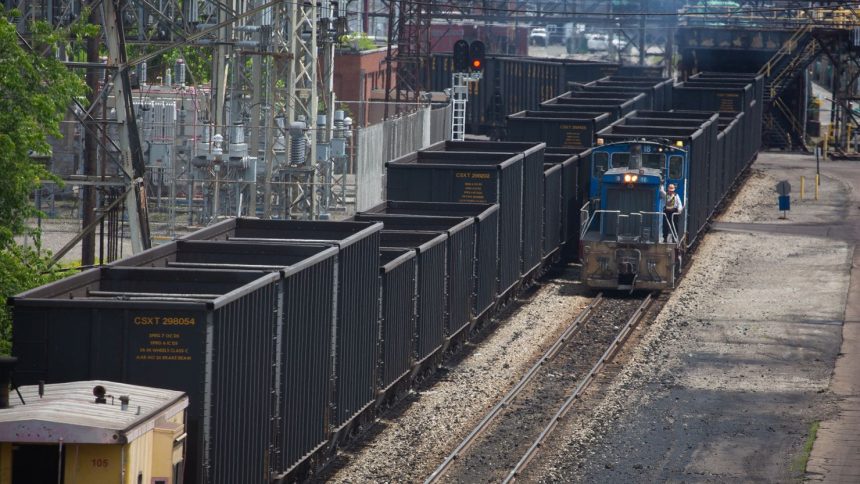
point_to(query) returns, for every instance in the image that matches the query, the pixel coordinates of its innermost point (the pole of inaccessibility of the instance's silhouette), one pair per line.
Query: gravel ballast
(729, 378)
(408, 447)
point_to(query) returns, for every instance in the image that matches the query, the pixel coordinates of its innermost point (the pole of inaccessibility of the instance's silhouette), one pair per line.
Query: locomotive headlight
(634, 178)
(679, 144)
(627, 178)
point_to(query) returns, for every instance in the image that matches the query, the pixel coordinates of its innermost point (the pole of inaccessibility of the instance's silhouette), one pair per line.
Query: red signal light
(476, 64)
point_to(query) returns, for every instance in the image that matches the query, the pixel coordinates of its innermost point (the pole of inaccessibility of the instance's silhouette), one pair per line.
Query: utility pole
(219, 74)
(257, 126)
(329, 26)
(300, 176)
(642, 32)
(365, 17)
(88, 203)
(409, 30)
(129, 141)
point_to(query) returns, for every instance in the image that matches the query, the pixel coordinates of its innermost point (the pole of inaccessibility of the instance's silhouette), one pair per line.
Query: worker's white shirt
(671, 201)
(674, 201)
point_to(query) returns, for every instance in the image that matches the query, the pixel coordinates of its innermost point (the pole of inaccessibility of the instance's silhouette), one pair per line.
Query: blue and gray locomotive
(628, 238)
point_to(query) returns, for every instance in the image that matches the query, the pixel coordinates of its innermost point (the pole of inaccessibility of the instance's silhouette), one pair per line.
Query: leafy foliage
(358, 41)
(198, 63)
(35, 91)
(21, 268)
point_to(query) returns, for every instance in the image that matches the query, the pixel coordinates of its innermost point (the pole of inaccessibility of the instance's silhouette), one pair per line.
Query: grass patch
(798, 465)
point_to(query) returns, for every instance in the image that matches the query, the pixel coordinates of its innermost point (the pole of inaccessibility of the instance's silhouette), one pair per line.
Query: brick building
(359, 76)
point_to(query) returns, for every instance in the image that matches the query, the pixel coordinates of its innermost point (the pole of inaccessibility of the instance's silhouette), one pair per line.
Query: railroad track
(517, 426)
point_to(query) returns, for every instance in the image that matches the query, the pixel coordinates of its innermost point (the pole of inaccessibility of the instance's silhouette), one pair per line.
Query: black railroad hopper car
(430, 251)
(595, 90)
(513, 84)
(660, 88)
(460, 254)
(574, 176)
(617, 107)
(357, 317)
(639, 71)
(305, 330)
(439, 176)
(532, 206)
(567, 129)
(398, 271)
(485, 264)
(209, 333)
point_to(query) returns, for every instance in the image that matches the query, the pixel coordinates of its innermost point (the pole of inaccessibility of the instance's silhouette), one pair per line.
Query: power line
(544, 13)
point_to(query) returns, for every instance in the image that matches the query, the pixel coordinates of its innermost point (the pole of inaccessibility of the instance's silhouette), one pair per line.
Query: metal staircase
(774, 135)
(782, 130)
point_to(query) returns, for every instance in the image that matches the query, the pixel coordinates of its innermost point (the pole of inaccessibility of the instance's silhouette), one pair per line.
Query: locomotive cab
(627, 240)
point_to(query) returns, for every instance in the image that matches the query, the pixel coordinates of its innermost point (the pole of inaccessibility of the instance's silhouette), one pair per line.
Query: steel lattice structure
(231, 134)
(408, 56)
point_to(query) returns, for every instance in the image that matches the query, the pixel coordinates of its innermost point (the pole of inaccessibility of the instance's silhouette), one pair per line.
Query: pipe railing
(589, 217)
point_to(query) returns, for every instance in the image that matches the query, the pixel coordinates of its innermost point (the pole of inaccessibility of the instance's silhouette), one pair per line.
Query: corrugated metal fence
(392, 139)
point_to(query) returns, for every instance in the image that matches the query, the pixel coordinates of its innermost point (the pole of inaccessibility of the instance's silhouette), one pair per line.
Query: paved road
(835, 455)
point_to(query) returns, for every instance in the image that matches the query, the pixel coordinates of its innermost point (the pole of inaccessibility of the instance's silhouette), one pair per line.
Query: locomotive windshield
(620, 160)
(634, 159)
(656, 161)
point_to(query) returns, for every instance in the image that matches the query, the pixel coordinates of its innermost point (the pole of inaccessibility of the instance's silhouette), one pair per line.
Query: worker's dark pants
(667, 220)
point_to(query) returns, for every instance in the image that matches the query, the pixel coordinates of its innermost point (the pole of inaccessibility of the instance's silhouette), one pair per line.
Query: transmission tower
(407, 68)
(245, 143)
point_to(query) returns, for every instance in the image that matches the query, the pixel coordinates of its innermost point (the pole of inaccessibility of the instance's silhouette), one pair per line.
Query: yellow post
(802, 185)
(826, 142)
(817, 182)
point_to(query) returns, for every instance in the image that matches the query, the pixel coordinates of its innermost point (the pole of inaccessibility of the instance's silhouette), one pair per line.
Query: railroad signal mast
(468, 67)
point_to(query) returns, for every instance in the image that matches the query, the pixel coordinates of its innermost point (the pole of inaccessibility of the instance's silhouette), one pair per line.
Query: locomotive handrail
(584, 215)
(672, 227)
(589, 219)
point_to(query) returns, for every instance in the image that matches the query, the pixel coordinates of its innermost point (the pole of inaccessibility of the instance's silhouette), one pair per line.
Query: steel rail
(548, 356)
(580, 389)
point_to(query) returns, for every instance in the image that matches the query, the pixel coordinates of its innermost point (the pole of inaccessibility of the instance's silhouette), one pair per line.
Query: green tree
(197, 61)
(35, 91)
(21, 268)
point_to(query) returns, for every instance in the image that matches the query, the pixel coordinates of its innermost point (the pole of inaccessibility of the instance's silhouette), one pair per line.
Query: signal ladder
(459, 96)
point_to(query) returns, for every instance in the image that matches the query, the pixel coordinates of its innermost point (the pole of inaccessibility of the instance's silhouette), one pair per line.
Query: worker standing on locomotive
(672, 205)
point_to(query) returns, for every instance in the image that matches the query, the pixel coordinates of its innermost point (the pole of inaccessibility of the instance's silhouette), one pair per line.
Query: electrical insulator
(142, 77)
(321, 122)
(338, 124)
(180, 72)
(298, 143)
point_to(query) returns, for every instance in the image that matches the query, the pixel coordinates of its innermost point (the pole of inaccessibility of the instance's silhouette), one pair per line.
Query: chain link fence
(391, 139)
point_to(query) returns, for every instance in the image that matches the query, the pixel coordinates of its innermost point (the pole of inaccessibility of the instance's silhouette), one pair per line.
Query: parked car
(538, 36)
(597, 42)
